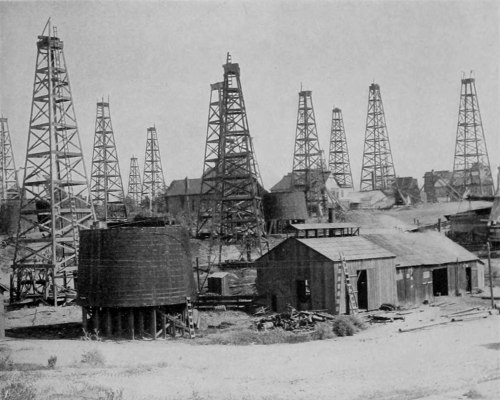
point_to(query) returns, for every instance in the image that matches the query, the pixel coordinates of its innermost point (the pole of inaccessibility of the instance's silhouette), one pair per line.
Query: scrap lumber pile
(293, 320)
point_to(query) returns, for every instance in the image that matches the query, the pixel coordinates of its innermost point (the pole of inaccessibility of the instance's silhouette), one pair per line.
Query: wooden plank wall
(280, 269)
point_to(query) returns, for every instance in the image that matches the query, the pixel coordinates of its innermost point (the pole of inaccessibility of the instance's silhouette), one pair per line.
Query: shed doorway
(468, 277)
(440, 282)
(362, 288)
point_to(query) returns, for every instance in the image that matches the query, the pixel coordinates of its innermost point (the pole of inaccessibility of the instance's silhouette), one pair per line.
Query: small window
(303, 291)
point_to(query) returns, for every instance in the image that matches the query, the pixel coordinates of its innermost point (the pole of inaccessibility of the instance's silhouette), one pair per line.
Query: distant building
(183, 197)
(437, 186)
(407, 191)
(429, 265)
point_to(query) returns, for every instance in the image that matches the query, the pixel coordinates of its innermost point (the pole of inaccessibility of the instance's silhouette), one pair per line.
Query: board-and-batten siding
(279, 270)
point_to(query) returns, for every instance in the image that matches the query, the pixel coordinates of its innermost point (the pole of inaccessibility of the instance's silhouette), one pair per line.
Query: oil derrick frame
(106, 181)
(377, 172)
(308, 168)
(339, 164)
(134, 191)
(9, 189)
(238, 214)
(209, 189)
(55, 200)
(153, 182)
(471, 155)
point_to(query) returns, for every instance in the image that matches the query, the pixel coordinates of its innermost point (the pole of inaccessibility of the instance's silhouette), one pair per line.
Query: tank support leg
(131, 323)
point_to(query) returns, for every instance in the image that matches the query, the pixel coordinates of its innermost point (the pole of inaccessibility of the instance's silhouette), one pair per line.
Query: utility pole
(55, 200)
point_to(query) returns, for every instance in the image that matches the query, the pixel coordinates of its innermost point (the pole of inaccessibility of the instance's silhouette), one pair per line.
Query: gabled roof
(184, 187)
(352, 247)
(426, 248)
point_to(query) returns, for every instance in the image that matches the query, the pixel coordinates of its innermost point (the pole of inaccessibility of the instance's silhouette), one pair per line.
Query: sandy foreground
(458, 360)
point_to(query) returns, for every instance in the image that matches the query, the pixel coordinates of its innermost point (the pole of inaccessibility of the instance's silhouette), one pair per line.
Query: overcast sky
(156, 61)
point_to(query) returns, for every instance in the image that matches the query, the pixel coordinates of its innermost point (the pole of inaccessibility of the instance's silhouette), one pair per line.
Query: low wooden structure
(304, 273)
(429, 265)
(132, 280)
(318, 230)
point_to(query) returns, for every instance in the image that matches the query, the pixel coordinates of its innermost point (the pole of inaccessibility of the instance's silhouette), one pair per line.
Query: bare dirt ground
(457, 360)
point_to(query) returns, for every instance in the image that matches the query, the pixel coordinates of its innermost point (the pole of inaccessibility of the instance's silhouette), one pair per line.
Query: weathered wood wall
(279, 270)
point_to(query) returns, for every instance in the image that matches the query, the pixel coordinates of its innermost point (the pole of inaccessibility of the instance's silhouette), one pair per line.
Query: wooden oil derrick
(238, 215)
(377, 172)
(209, 188)
(339, 163)
(153, 182)
(134, 191)
(308, 173)
(471, 166)
(9, 189)
(106, 181)
(55, 199)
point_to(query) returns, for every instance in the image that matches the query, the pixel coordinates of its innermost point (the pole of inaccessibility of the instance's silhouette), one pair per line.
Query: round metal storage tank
(285, 205)
(134, 267)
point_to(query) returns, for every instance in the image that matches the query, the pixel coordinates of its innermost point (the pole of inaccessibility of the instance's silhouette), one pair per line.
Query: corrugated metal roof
(333, 225)
(352, 247)
(426, 248)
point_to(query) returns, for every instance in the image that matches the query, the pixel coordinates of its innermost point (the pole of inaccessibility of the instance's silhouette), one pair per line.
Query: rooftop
(426, 248)
(352, 247)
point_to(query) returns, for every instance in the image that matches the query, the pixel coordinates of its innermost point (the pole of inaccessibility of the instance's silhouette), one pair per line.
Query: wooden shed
(303, 273)
(429, 264)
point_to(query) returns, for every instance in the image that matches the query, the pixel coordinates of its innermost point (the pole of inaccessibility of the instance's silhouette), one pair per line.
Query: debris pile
(293, 320)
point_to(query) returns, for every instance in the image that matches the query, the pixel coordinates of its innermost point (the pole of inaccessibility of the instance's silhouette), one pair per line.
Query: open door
(440, 282)
(362, 288)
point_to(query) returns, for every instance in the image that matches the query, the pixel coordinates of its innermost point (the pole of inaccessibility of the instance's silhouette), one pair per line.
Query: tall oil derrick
(308, 169)
(339, 163)
(55, 200)
(377, 172)
(153, 182)
(209, 189)
(106, 181)
(134, 182)
(9, 188)
(237, 214)
(471, 167)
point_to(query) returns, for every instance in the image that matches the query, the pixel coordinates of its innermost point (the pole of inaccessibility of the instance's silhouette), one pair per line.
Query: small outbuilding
(304, 273)
(429, 264)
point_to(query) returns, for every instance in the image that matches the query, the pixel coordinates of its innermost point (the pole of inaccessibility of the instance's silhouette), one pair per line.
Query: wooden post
(85, 323)
(109, 322)
(198, 274)
(2, 316)
(164, 325)
(131, 323)
(96, 320)
(140, 322)
(153, 323)
(118, 322)
(172, 328)
(490, 275)
(439, 225)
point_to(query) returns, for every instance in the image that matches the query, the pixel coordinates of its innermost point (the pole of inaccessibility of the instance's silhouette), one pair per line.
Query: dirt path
(453, 361)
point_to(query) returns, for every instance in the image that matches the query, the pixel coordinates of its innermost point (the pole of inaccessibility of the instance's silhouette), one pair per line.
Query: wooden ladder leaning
(351, 293)
(190, 322)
